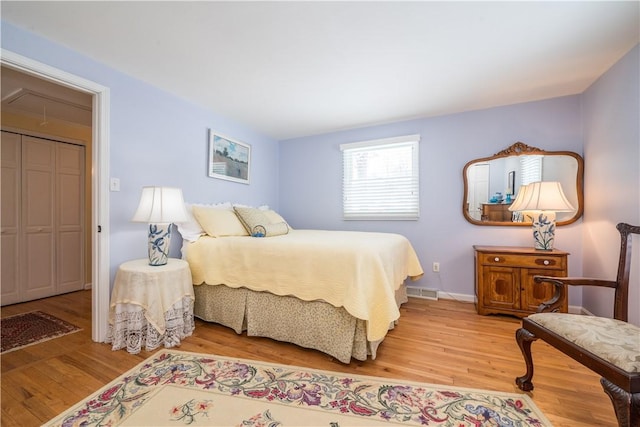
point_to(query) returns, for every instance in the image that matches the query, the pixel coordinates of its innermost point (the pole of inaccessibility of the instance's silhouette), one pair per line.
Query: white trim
(456, 297)
(100, 183)
(573, 309)
(383, 141)
(578, 309)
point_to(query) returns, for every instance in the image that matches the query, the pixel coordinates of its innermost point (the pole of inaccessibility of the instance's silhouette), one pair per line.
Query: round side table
(150, 305)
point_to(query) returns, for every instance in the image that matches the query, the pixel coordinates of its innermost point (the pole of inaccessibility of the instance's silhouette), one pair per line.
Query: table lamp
(544, 199)
(518, 215)
(160, 207)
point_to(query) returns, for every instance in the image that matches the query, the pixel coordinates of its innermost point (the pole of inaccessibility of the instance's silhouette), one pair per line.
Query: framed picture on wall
(511, 183)
(229, 159)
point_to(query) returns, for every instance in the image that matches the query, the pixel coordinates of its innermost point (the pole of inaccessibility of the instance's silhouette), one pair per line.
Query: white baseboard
(435, 294)
(576, 309)
(573, 309)
(457, 297)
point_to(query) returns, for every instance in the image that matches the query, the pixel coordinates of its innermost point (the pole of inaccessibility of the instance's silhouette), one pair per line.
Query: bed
(338, 292)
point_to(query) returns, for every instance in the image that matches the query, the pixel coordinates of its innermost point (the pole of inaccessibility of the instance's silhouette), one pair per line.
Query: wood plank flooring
(442, 342)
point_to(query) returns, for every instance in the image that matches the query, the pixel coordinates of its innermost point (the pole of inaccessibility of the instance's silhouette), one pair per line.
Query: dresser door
(534, 294)
(501, 287)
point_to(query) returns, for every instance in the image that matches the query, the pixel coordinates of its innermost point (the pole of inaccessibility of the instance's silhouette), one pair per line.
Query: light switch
(115, 184)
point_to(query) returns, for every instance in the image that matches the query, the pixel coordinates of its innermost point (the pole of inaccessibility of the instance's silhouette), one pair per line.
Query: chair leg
(524, 339)
(625, 405)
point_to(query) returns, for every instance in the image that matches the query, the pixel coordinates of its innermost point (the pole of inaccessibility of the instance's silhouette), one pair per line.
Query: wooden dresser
(504, 278)
(496, 212)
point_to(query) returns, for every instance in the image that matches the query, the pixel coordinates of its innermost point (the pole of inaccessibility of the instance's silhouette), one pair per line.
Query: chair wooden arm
(560, 289)
(621, 384)
(575, 281)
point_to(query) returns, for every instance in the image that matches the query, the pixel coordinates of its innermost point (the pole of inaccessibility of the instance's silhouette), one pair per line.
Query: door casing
(100, 180)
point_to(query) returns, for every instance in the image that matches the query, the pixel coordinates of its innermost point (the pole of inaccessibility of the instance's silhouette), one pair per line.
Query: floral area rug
(31, 328)
(178, 388)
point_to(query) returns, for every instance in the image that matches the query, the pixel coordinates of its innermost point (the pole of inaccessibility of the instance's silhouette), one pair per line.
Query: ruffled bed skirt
(310, 324)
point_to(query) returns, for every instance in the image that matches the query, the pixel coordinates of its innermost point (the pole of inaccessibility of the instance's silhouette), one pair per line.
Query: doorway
(478, 189)
(46, 188)
(99, 228)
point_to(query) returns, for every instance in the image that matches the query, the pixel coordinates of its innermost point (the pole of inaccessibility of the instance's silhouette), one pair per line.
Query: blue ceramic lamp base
(159, 243)
(544, 230)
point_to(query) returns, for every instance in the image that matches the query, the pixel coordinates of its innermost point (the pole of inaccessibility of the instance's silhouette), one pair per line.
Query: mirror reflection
(491, 184)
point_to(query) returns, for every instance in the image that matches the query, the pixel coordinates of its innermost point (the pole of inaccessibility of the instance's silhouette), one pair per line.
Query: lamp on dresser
(542, 199)
(160, 207)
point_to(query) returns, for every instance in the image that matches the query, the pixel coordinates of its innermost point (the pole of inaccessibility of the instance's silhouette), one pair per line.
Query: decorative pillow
(274, 217)
(251, 217)
(219, 222)
(257, 223)
(191, 230)
(269, 230)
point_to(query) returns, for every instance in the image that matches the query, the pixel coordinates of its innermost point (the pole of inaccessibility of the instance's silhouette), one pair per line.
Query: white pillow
(218, 222)
(192, 230)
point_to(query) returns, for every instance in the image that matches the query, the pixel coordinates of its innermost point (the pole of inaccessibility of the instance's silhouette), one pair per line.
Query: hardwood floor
(442, 342)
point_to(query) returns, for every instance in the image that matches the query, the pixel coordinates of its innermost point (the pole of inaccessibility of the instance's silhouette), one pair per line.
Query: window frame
(409, 211)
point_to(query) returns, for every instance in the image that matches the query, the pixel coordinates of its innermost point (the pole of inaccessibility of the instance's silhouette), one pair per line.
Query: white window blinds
(530, 169)
(380, 179)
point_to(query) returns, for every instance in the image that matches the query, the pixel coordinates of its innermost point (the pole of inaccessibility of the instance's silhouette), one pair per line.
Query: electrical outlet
(436, 267)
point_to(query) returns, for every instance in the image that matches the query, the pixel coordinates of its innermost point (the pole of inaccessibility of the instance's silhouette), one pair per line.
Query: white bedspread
(359, 271)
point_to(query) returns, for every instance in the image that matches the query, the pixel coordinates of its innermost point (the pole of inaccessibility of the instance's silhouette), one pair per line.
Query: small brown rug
(31, 328)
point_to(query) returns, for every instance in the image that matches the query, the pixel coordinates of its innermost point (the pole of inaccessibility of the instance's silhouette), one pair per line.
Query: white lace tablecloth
(150, 305)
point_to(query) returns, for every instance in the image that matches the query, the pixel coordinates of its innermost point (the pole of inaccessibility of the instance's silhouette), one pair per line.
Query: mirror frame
(518, 149)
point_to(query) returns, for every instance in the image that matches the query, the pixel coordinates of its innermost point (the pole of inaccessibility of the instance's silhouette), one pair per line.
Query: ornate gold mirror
(492, 183)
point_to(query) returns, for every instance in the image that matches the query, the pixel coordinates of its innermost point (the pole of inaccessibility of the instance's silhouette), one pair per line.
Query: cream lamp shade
(160, 207)
(542, 196)
(519, 216)
(544, 199)
(514, 206)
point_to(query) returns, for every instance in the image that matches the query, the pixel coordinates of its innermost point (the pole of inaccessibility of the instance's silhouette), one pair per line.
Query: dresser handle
(496, 259)
(545, 262)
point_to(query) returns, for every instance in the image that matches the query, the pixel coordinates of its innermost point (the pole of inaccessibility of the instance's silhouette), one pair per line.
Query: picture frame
(229, 159)
(511, 183)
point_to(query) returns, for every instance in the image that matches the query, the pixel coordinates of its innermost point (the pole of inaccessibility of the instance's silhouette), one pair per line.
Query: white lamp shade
(542, 196)
(514, 206)
(161, 205)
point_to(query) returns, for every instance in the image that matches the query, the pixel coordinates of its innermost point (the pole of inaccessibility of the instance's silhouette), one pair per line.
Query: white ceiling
(292, 69)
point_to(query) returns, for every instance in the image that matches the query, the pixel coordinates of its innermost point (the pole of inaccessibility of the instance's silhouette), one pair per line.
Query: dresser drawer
(528, 261)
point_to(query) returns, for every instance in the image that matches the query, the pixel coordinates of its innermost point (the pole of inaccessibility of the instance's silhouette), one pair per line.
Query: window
(380, 179)
(530, 169)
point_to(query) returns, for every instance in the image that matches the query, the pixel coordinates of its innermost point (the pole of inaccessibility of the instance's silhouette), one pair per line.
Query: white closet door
(11, 156)
(38, 198)
(42, 220)
(69, 217)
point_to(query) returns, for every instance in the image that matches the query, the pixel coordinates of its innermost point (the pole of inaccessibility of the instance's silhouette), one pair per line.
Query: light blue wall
(612, 180)
(159, 139)
(155, 139)
(311, 183)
